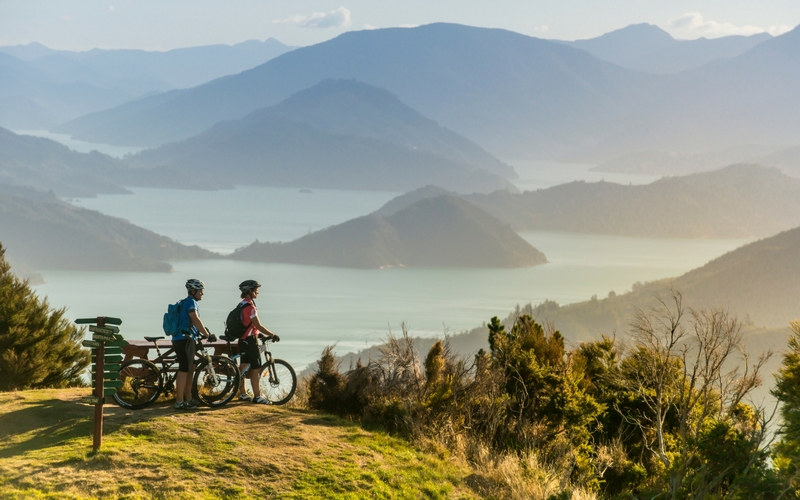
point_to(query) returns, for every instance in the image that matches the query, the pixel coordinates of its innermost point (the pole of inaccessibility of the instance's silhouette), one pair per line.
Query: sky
(168, 24)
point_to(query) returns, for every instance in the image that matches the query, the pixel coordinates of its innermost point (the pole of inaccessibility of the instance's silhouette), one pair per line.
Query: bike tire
(219, 388)
(278, 382)
(142, 384)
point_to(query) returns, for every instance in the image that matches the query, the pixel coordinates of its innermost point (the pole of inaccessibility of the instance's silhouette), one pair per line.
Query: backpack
(172, 318)
(234, 327)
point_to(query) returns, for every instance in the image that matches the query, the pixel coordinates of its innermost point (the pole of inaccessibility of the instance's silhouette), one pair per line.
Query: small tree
(693, 391)
(39, 347)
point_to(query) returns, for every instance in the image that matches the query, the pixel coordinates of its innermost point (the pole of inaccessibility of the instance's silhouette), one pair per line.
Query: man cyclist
(248, 342)
(184, 343)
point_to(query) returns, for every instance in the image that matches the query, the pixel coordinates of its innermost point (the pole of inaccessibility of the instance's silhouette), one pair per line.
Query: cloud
(334, 19)
(694, 24)
(111, 8)
(541, 29)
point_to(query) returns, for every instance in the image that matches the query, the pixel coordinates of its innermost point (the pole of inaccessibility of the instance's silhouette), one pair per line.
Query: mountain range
(739, 201)
(42, 87)
(444, 231)
(338, 134)
(648, 48)
(514, 95)
(500, 89)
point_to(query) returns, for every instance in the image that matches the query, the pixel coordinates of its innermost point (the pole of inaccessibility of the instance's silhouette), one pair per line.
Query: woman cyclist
(248, 342)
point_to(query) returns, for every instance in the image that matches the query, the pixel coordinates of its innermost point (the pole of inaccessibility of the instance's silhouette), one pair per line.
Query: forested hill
(738, 201)
(441, 231)
(759, 282)
(350, 107)
(45, 164)
(55, 235)
(338, 135)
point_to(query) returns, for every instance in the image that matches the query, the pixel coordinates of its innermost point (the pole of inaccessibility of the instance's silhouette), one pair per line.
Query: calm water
(225, 220)
(311, 307)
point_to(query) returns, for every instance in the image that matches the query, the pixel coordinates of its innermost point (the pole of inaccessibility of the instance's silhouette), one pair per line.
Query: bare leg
(180, 386)
(255, 375)
(187, 392)
(242, 368)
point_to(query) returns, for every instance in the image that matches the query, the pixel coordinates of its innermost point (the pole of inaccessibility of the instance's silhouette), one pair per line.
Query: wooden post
(98, 386)
(98, 342)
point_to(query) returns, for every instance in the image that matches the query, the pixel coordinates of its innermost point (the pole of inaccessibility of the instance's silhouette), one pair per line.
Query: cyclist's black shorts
(249, 349)
(185, 350)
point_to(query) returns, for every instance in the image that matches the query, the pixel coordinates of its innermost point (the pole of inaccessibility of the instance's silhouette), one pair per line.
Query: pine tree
(39, 346)
(787, 390)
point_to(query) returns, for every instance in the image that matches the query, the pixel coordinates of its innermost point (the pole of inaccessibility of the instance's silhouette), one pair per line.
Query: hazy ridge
(734, 202)
(54, 235)
(514, 95)
(41, 87)
(338, 134)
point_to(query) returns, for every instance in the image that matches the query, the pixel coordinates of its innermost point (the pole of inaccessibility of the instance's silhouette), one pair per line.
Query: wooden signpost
(106, 345)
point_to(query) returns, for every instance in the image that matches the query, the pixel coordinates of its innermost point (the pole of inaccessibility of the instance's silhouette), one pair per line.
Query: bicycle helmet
(194, 284)
(248, 285)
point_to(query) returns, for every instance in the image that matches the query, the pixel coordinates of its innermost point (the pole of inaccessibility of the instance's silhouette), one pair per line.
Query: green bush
(39, 347)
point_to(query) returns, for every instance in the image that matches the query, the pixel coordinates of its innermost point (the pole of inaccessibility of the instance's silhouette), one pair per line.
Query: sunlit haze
(156, 25)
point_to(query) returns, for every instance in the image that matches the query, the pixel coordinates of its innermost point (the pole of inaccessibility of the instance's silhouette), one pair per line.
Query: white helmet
(194, 284)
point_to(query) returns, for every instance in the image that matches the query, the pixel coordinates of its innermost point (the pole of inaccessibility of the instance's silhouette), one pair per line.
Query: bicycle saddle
(227, 339)
(153, 339)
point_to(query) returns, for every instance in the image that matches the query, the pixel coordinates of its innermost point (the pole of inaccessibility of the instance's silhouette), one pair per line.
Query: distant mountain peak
(640, 31)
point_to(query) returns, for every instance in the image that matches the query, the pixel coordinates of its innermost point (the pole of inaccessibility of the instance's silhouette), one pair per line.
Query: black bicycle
(278, 380)
(215, 383)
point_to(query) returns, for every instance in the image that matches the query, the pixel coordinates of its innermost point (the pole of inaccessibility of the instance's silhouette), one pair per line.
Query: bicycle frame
(168, 375)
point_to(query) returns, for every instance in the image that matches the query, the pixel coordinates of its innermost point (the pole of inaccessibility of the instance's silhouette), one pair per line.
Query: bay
(311, 307)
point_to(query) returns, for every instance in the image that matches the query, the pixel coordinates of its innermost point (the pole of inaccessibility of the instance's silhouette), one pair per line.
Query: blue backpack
(172, 318)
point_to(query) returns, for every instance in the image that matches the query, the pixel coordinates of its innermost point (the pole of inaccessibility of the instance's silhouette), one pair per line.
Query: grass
(239, 451)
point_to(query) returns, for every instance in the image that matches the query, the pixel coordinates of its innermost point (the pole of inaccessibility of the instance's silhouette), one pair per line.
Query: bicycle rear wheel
(215, 384)
(142, 384)
(278, 382)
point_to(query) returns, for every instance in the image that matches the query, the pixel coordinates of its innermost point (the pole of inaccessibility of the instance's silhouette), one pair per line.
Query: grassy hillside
(55, 235)
(734, 202)
(441, 231)
(239, 451)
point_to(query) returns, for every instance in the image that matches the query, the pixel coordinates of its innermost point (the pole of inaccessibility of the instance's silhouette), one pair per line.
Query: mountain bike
(278, 380)
(215, 383)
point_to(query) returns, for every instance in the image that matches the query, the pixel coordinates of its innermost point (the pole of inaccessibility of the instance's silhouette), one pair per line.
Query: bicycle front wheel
(278, 382)
(141, 384)
(216, 383)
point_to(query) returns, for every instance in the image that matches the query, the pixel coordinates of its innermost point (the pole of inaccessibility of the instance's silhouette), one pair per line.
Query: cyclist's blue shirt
(187, 329)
